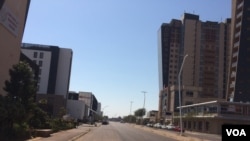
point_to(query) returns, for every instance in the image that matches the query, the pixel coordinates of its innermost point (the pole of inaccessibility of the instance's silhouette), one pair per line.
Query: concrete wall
(76, 109)
(15, 13)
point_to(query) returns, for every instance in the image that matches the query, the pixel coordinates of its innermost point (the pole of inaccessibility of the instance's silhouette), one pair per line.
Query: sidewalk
(173, 135)
(67, 135)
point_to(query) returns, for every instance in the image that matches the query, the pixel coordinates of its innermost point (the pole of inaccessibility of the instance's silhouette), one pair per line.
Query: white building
(55, 67)
(99, 109)
(76, 109)
(86, 97)
(90, 106)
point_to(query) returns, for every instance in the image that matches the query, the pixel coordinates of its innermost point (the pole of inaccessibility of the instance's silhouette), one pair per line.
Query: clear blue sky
(114, 43)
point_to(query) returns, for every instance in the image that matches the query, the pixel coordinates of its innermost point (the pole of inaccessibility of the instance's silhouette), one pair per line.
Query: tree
(19, 101)
(130, 119)
(21, 86)
(140, 112)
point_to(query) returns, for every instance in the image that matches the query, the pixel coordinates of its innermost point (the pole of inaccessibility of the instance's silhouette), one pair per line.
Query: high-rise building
(54, 67)
(169, 44)
(239, 76)
(204, 72)
(13, 15)
(207, 45)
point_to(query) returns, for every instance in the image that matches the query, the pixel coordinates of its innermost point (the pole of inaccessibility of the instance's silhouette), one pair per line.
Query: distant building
(53, 75)
(169, 48)
(90, 100)
(77, 109)
(214, 88)
(91, 105)
(204, 73)
(239, 76)
(99, 112)
(152, 116)
(209, 116)
(55, 67)
(12, 23)
(73, 95)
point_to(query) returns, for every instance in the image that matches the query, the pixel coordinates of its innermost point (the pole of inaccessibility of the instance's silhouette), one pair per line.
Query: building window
(35, 55)
(41, 55)
(207, 126)
(194, 125)
(189, 94)
(200, 126)
(189, 124)
(40, 71)
(40, 63)
(189, 103)
(185, 124)
(38, 80)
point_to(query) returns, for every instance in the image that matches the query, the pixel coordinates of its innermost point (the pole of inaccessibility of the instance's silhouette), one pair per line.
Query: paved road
(116, 131)
(124, 132)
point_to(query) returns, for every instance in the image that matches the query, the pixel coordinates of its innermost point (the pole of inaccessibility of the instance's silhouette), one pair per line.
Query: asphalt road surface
(116, 131)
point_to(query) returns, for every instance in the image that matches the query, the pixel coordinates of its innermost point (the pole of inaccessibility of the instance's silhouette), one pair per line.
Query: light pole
(144, 92)
(130, 116)
(103, 109)
(131, 102)
(179, 81)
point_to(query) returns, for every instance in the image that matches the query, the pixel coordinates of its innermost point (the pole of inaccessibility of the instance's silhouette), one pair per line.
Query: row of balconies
(240, 5)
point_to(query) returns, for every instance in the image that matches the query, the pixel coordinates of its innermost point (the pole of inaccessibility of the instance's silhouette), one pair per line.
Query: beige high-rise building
(204, 73)
(207, 45)
(13, 15)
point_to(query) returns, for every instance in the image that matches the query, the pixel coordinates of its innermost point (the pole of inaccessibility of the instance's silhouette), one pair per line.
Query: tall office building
(55, 67)
(169, 44)
(239, 77)
(204, 73)
(207, 45)
(13, 15)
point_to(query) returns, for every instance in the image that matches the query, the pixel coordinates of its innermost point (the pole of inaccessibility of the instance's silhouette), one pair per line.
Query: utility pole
(131, 102)
(144, 92)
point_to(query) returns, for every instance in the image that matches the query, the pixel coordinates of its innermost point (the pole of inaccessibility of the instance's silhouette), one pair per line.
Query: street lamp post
(130, 115)
(179, 81)
(144, 92)
(103, 109)
(131, 102)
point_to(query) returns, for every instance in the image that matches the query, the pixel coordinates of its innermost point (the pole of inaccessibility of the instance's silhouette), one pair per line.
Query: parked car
(170, 127)
(150, 124)
(157, 125)
(163, 126)
(178, 129)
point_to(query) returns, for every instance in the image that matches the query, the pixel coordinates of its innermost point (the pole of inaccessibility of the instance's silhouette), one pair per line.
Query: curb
(80, 135)
(170, 135)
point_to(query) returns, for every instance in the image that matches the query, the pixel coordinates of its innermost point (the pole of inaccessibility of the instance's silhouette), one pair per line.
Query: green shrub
(20, 131)
(59, 124)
